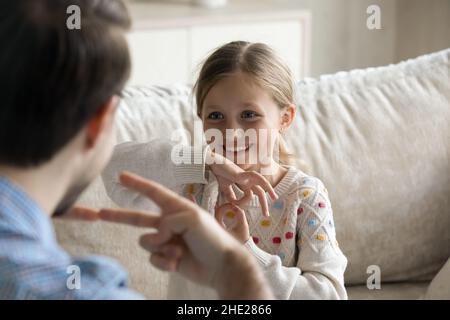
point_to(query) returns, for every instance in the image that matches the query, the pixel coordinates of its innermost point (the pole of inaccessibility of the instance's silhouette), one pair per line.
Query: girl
(245, 87)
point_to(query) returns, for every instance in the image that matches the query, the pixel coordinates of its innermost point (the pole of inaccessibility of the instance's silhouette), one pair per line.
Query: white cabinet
(168, 47)
(159, 56)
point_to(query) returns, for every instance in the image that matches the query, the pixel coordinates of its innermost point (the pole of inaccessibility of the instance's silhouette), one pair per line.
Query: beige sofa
(379, 139)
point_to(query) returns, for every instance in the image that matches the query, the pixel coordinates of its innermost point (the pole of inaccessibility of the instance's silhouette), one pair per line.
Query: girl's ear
(287, 116)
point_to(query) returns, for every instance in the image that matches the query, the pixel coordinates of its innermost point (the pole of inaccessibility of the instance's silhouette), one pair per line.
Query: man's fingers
(170, 229)
(152, 241)
(81, 213)
(168, 256)
(164, 263)
(132, 218)
(163, 197)
(173, 251)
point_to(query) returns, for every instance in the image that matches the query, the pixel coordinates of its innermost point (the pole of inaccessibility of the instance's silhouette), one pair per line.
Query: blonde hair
(260, 62)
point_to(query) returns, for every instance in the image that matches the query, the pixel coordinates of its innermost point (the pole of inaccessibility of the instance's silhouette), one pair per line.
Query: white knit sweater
(296, 246)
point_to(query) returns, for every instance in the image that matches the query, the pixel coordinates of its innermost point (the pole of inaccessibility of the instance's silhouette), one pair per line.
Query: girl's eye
(249, 115)
(215, 116)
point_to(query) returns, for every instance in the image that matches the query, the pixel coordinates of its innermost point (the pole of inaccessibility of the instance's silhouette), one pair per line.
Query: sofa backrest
(379, 138)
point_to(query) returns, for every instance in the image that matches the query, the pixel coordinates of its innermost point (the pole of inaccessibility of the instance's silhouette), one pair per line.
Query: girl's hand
(228, 173)
(239, 228)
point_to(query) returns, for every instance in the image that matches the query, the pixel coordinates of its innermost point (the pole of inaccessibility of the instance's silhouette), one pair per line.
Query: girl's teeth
(237, 150)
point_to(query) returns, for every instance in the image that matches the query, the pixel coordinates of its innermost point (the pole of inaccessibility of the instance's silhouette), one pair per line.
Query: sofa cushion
(379, 139)
(389, 291)
(440, 285)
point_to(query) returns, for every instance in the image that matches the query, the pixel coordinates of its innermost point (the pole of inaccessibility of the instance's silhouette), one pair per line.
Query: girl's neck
(275, 178)
(274, 173)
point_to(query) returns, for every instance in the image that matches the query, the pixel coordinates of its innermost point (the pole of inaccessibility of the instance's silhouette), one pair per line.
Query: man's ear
(102, 120)
(288, 116)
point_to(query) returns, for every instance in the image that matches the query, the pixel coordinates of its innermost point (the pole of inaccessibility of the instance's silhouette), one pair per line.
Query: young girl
(246, 87)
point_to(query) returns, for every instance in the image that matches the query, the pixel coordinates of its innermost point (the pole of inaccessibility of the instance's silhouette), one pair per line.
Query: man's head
(59, 86)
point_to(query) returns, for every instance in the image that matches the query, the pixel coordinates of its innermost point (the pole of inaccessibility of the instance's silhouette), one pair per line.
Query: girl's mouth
(236, 150)
(235, 153)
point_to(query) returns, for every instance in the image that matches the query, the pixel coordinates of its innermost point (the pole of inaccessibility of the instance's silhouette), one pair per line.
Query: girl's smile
(236, 106)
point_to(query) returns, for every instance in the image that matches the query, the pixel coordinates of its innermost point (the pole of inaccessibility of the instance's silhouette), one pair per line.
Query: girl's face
(238, 103)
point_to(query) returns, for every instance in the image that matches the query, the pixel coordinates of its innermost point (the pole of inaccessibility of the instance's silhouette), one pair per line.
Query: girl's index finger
(268, 188)
(259, 179)
(273, 195)
(262, 200)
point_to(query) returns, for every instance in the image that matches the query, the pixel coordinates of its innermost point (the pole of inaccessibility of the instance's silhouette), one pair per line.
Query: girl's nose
(234, 127)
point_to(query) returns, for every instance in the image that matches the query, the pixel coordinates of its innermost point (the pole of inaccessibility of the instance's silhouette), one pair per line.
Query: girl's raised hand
(228, 173)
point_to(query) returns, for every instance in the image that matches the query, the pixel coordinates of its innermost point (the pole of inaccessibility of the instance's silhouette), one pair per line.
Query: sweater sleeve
(319, 273)
(166, 163)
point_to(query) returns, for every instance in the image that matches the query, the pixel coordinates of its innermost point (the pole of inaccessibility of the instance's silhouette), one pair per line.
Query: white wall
(341, 40)
(422, 26)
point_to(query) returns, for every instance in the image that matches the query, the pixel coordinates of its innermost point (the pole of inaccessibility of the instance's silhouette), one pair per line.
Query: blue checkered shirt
(33, 266)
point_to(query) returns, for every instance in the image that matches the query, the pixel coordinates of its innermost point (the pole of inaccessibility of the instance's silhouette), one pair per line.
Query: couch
(379, 138)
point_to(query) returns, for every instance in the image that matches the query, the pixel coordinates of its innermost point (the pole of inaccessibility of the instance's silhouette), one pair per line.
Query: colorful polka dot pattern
(290, 235)
(230, 214)
(266, 223)
(306, 193)
(193, 193)
(321, 237)
(190, 189)
(278, 205)
(304, 222)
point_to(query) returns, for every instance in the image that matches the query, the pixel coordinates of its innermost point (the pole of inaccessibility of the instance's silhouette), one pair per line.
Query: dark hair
(53, 80)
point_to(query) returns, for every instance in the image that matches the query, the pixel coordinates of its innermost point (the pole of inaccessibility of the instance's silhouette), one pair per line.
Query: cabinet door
(286, 37)
(159, 56)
